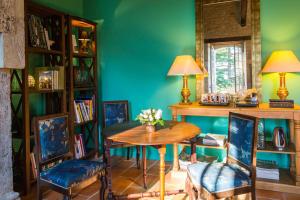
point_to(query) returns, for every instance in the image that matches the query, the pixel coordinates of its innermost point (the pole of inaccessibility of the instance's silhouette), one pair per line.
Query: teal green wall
(280, 28)
(139, 40)
(73, 7)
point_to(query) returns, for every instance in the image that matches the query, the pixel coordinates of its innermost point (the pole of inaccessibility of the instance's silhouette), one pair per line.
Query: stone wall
(12, 34)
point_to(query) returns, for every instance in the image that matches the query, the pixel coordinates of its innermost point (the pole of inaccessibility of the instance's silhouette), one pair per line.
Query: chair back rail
(115, 112)
(52, 139)
(242, 141)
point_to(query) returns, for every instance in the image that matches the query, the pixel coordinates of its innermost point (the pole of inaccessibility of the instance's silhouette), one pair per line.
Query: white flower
(158, 114)
(150, 118)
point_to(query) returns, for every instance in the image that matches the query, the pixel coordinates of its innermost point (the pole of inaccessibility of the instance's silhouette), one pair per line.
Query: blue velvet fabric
(54, 137)
(217, 177)
(71, 172)
(241, 133)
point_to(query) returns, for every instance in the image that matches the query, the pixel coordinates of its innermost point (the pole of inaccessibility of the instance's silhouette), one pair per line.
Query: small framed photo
(115, 112)
(50, 78)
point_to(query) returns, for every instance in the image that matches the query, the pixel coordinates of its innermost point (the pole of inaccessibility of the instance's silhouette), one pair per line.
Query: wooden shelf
(285, 184)
(43, 51)
(269, 148)
(44, 91)
(82, 24)
(84, 88)
(200, 143)
(83, 123)
(83, 55)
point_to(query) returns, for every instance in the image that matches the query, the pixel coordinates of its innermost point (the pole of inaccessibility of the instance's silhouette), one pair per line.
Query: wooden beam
(243, 12)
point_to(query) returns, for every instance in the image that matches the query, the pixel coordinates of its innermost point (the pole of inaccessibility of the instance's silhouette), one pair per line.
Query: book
(267, 169)
(47, 39)
(77, 116)
(33, 165)
(214, 139)
(74, 43)
(277, 103)
(78, 153)
(79, 146)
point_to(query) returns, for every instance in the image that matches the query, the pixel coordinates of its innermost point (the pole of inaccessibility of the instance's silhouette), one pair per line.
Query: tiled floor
(128, 179)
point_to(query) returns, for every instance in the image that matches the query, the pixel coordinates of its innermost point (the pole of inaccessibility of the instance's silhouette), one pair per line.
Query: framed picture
(52, 136)
(115, 112)
(50, 78)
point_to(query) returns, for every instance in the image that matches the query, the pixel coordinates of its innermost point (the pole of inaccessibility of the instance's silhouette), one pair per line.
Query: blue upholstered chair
(237, 175)
(55, 169)
(117, 112)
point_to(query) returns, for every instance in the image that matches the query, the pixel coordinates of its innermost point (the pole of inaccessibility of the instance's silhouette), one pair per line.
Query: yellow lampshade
(282, 61)
(184, 65)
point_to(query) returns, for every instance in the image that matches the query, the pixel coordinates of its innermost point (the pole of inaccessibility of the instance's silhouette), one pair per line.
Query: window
(227, 67)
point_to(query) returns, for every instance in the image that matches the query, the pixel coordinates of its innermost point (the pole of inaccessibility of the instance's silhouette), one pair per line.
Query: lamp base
(282, 92)
(185, 92)
(185, 103)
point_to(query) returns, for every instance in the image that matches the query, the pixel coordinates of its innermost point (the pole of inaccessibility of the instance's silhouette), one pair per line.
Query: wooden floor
(128, 179)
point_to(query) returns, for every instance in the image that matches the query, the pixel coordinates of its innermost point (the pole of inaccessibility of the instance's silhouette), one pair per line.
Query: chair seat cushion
(71, 172)
(217, 177)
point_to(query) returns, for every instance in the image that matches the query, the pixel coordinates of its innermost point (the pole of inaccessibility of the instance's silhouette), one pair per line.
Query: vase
(150, 128)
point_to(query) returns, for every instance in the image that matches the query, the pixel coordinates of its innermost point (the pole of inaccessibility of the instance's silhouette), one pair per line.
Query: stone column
(12, 55)
(6, 173)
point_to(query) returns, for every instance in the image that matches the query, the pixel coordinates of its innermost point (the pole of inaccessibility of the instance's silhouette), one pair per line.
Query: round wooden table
(171, 133)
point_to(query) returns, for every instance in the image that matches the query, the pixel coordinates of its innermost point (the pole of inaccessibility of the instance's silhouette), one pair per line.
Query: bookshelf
(43, 48)
(82, 83)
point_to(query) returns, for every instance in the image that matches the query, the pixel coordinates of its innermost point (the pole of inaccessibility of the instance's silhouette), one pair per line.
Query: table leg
(108, 169)
(162, 153)
(144, 166)
(175, 158)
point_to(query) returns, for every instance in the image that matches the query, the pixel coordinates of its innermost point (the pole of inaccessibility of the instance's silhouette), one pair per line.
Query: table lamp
(282, 62)
(184, 65)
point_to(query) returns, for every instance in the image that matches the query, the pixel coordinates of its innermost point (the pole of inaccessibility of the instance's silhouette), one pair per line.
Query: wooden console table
(289, 179)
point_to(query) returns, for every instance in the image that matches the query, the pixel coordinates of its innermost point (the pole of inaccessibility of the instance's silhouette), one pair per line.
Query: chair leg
(144, 160)
(128, 153)
(138, 157)
(103, 186)
(253, 195)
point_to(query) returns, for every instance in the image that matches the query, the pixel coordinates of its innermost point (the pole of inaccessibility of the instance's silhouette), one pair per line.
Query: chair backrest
(115, 112)
(242, 140)
(51, 137)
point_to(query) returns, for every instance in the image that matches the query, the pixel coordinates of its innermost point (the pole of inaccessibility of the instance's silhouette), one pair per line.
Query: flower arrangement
(151, 117)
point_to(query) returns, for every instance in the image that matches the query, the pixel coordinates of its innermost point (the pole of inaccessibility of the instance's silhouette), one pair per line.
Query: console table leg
(292, 140)
(162, 153)
(297, 145)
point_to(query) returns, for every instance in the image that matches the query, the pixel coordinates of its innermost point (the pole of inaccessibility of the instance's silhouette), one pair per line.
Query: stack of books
(214, 139)
(79, 147)
(277, 103)
(267, 169)
(84, 109)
